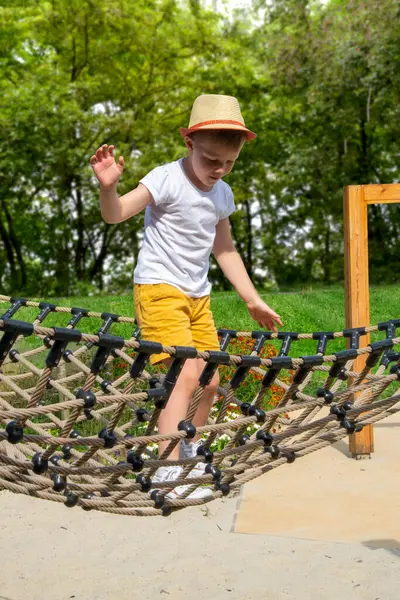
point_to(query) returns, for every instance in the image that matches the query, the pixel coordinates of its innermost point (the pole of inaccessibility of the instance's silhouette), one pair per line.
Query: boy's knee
(190, 376)
(214, 383)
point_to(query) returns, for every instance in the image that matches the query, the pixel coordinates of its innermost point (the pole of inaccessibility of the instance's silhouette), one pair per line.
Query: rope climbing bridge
(75, 429)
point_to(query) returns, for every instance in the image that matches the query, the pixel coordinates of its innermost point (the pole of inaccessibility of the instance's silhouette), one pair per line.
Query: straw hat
(215, 111)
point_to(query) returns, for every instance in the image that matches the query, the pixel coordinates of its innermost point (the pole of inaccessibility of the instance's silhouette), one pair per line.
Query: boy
(187, 217)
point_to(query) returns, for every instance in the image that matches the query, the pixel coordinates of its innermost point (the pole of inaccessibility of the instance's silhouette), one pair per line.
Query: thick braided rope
(74, 429)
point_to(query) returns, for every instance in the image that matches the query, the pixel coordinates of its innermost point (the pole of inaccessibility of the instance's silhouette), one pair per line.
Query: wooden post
(357, 289)
(356, 199)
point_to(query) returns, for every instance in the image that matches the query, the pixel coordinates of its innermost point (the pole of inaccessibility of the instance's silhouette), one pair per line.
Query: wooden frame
(356, 199)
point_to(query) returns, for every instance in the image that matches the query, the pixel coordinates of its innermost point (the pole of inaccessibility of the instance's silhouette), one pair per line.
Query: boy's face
(210, 159)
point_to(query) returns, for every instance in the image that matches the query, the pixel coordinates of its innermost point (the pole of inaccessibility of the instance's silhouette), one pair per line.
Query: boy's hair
(229, 137)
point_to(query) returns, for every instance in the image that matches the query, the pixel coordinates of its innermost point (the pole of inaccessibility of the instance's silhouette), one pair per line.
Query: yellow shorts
(170, 317)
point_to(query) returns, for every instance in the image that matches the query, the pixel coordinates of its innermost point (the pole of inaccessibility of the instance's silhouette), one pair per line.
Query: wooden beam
(357, 284)
(381, 194)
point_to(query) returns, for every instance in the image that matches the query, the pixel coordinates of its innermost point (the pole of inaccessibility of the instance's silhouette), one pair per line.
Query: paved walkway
(49, 552)
(329, 496)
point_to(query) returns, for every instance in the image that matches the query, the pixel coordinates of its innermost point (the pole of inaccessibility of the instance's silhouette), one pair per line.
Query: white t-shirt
(180, 229)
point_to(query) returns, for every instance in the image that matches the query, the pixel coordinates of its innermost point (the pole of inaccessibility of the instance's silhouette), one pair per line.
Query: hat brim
(188, 130)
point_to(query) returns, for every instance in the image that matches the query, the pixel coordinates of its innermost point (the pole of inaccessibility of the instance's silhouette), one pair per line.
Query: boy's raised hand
(104, 166)
(264, 315)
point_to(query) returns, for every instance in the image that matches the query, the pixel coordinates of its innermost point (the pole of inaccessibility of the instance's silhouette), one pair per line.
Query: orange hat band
(216, 122)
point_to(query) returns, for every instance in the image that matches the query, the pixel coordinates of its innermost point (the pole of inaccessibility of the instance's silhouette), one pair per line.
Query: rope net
(79, 406)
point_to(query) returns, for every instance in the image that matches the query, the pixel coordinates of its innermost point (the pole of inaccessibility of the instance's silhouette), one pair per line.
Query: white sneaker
(189, 450)
(171, 474)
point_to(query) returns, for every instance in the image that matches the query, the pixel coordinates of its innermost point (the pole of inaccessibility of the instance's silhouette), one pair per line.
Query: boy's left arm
(232, 266)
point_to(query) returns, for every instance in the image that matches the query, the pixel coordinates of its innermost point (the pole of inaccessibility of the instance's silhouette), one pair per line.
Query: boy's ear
(188, 143)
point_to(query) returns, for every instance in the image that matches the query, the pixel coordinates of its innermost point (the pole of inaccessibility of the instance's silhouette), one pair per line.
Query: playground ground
(323, 528)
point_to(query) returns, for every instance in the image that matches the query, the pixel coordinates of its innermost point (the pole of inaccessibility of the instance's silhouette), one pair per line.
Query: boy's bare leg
(207, 399)
(179, 401)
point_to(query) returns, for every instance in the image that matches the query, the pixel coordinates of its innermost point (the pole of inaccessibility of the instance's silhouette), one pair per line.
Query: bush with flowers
(245, 393)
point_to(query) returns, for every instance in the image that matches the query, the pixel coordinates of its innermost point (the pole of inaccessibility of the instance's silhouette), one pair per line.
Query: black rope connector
(71, 500)
(354, 336)
(338, 411)
(188, 428)
(251, 411)
(185, 352)
(388, 357)
(88, 398)
(108, 437)
(136, 461)
(74, 434)
(55, 459)
(226, 335)
(395, 370)
(244, 439)
(224, 488)
(88, 414)
(17, 303)
(49, 383)
(206, 452)
(337, 369)
(157, 498)
(289, 455)
(211, 470)
(66, 356)
(155, 383)
(150, 347)
(6, 343)
(144, 482)
(66, 450)
(216, 357)
(100, 358)
(350, 426)
(166, 511)
(104, 385)
(78, 314)
(323, 338)
(142, 415)
(139, 364)
(159, 396)
(258, 413)
(62, 337)
(327, 395)
(40, 464)
(14, 432)
(274, 451)
(248, 362)
(47, 341)
(59, 482)
(13, 355)
(260, 338)
(266, 437)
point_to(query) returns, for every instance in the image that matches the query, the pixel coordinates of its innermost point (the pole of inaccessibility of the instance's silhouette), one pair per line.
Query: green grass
(305, 311)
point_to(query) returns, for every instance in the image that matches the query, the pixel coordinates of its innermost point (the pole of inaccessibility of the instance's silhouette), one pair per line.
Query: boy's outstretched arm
(232, 265)
(115, 209)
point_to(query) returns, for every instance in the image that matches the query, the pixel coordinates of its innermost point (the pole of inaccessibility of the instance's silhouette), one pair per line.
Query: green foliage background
(318, 82)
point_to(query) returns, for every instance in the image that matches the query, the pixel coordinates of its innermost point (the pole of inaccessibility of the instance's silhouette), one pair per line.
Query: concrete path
(49, 552)
(329, 496)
